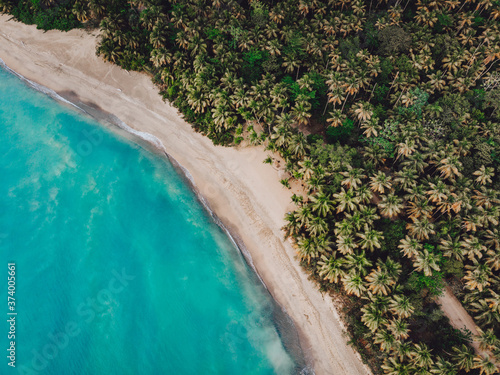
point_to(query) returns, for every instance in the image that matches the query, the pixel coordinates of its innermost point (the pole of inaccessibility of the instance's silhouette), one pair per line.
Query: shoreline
(244, 194)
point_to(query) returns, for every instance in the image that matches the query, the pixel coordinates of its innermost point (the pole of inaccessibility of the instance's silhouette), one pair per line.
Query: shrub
(340, 133)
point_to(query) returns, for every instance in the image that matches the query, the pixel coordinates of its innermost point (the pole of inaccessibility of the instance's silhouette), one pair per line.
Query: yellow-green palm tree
(391, 205)
(425, 262)
(331, 268)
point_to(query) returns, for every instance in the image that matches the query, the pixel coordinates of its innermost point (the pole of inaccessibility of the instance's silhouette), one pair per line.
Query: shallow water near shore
(119, 269)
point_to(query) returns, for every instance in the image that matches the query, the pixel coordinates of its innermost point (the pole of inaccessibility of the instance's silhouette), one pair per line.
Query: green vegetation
(402, 174)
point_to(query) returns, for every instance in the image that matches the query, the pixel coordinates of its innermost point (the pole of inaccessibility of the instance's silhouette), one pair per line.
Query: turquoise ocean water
(119, 269)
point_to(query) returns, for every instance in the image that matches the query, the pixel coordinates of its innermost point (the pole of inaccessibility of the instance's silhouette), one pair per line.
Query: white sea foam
(39, 87)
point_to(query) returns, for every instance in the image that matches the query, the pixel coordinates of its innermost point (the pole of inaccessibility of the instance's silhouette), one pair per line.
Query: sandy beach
(242, 191)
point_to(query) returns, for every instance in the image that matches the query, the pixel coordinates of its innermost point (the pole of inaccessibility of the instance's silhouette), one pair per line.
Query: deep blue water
(119, 269)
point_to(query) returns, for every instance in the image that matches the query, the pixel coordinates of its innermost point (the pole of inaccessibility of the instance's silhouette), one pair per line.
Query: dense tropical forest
(386, 113)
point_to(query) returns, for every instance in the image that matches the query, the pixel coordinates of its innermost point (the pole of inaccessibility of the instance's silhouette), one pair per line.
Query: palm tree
(401, 306)
(477, 276)
(307, 249)
(346, 244)
(493, 259)
(379, 182)
(443, 367)
(303, 215)
(406, 178)
(492, 238)
(306, 168)
(363, 111)
(421, 356)
(379, 281)
(419, 208)
(485, 365)
(421, 229)
(331, 268)
(370, 239)
(487, 339)
(375, 154)
(301, 112)
(372, 317)
(386, 339)
(317, 226)
(321, 203)
(353, 177)
(346, 200)
(353, 283)
(299, 146)
(450, 167)
(438, 192)
(399, 328)
(402, 350)
(463, 357)
(357, 262)
(415, 161)
(473, 248)
(484, 175)
(426, 262)
(410, 247)
(452, 248)
(365, 195)
(406, 148)
(391, 205)
(293, 225)
(392, 366)
(483, 313)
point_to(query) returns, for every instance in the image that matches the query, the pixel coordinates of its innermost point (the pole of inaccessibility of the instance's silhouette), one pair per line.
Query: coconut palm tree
(307, 249)
(372, 317)
(485, 365)
(392, 366)
(346, 200)
(379, 182)
(293, 225)
(353, 177)
(331, 268)
(483, 313)
(421, 228)
(473, 248)
(443, 367)
(357, 262)
(321, 203)
(401, 350)
(306, 168)
(298, 145)
(401, 306)
(450, 167)
(370, 239)
(463, 357)
(346, 244)
(425, 262)
(421, 356)
(484, 175)
(386, 339)
(410, 247)
(353, 283)
(493, 259)
(406, 178)
(379, 281)
(438, 192)
(477, 276)
(391, 205)
(399, 328)
(371, 127)
(317, 226)
(452, 247)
